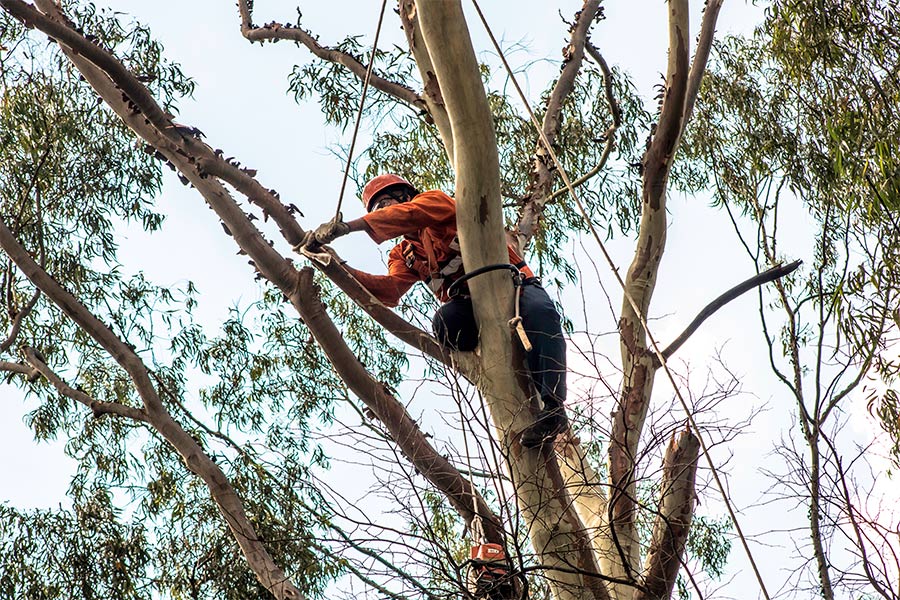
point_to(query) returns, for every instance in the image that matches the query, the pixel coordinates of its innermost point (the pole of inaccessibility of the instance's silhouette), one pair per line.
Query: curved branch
(772, 274)
(609, 135)
(277, 31)
(97, 407)
(17, 321)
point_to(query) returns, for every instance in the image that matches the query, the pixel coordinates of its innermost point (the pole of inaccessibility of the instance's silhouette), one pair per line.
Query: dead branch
(757, 280)
(609, 135)
(542, 173)
(673, 521)
(277, 31)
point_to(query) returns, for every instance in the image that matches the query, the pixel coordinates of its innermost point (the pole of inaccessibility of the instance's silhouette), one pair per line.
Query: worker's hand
(326, 233)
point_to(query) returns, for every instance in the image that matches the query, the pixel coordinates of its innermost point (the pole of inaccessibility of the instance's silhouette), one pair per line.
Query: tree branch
(676, 508)
(542, 170)
(609, 135)
(276, 31)
(409, 17)
(638, 364)
(17, 321)
(701, 56)
(97, 407)
(772, 274)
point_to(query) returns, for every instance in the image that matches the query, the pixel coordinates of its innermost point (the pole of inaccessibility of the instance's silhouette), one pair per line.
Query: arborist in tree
(429, 252)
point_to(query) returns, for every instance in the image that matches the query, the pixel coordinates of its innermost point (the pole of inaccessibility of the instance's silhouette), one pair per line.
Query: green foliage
(85, 553)
(807, 109)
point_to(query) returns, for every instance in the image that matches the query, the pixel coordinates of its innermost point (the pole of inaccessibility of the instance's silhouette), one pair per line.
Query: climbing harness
(518, 281)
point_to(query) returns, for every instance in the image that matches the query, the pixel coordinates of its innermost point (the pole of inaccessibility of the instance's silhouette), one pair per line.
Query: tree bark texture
(637, 361)
(556, 532)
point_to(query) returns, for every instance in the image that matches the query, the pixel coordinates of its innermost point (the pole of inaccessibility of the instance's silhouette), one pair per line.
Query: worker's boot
(548, 423)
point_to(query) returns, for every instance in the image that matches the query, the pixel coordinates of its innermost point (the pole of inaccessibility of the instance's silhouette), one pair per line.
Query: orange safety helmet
(379, 184)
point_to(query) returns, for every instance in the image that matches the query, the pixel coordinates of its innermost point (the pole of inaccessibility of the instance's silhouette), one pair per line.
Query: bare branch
(278, 31)
(542, 174)
(757, 280)
(609, 135)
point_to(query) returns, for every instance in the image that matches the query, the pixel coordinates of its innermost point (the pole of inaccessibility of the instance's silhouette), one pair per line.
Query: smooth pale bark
(434, 101)
(638, 365)
(554, 527)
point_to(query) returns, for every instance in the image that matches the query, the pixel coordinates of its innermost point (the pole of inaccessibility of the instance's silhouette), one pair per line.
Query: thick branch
(638, 365)
(13, 367)
(701, 56)
(409, 16)
(757, 280)
(97, 407)
(676, 508)
(278, 31)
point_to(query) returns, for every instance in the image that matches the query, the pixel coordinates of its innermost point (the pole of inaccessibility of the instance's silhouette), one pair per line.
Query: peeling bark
(673, 521)
(637, 362)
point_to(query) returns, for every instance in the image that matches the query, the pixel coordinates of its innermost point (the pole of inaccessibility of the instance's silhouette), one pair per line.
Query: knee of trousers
(454, 325)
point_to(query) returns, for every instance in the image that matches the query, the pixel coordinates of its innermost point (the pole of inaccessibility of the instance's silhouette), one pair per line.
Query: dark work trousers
(454, 326)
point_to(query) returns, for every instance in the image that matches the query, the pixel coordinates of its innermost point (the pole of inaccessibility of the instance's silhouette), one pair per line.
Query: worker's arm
(425, 210)
(391, 287)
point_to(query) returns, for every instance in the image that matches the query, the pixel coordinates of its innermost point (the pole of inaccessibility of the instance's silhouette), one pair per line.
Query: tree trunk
(556, 532)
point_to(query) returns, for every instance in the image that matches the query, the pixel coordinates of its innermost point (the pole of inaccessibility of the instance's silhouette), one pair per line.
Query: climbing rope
(657, 352)
(362, 102)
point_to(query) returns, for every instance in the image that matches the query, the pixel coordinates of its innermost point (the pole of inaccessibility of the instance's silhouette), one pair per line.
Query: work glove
(326, 233)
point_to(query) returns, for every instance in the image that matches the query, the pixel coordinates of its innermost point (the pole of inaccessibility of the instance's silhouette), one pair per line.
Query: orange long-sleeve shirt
(428, 225)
